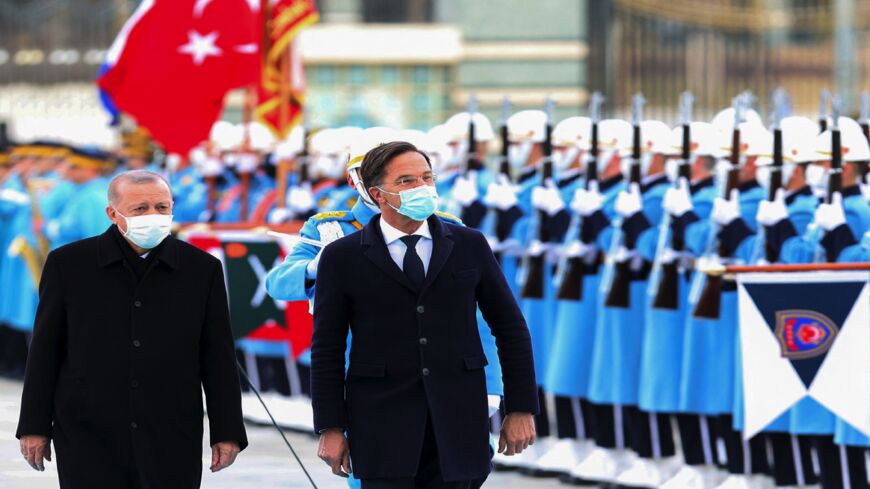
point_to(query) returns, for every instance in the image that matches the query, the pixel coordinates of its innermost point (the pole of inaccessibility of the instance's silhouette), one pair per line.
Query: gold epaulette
(330, 215)
(448, 217)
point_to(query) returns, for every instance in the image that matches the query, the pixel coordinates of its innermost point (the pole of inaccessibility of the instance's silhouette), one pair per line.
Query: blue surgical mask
(418, 203)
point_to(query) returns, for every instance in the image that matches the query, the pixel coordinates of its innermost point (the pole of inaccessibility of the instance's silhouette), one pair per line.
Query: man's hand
(223, 454)
(335, 452)
(517, 433)
(35, 449)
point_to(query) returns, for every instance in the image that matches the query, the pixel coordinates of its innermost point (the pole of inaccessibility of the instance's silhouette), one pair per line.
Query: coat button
(137, 303)
(134, 383)
(425, 371)
(424, 341)
(137, 343)
(134, 425)
(420, 309)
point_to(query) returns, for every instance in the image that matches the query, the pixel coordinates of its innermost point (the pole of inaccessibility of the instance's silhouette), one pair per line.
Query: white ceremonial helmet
(615, 135)
(291, 146)
(225, 136)
(326, 149)
(573, 135)
(527, 126)
(456, 127)
(853, 144)
(260, 137)
(724, 120)
(702, 139)
(655, 137)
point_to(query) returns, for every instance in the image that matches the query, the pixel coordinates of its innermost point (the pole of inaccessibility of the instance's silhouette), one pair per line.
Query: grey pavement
(265, 464)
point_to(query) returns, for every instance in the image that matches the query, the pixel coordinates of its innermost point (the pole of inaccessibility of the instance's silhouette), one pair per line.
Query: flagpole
(284, 107)
(800, 267)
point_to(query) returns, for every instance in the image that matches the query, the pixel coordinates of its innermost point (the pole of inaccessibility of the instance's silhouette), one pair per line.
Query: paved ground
(266, 463)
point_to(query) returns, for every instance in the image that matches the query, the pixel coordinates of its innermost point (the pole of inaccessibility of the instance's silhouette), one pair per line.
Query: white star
(200, 47)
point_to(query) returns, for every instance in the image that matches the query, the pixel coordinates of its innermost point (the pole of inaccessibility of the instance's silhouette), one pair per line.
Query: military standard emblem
(804, 334)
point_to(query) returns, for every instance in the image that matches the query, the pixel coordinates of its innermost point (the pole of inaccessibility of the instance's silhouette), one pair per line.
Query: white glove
(311, 268)
(829, 216)
(771, 212)
(14, 196)
(247, 163)
(301, 199)
(629, 203)
(547, 198)
(211, 167)
(726, 211)
(501, 195)
(493, 402)
(280, 215)
(465, 189)
(586, 202)
(677, 200)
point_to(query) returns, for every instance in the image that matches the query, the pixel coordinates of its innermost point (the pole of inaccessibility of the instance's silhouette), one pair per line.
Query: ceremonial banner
(281, 91)
(174, 60)
(805, 334)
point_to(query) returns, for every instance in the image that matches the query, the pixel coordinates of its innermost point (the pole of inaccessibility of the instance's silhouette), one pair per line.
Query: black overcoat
(415, 353)
(116, 370)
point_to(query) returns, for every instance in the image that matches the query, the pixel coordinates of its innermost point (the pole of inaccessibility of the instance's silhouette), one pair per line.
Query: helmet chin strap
(360, 189)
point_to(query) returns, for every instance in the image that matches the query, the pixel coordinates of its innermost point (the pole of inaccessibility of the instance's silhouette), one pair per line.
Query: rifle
(835, 174)
(824, 100)
(619, 293)
(571, 269)
(780, 101)
(710, 301)
(865, 128)
(533, 265)
(471, 158)
(665, 277)
(472, 214)
(502, 231)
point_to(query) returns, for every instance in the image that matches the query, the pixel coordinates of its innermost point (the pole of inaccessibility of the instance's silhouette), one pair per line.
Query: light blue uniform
(260, 185)
(190, 194)
(19, 297)
(662, 349)
(82, 216)
(619, 334)
(709, 348)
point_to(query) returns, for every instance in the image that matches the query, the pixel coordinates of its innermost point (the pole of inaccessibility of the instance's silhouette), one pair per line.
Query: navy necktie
(412, 265)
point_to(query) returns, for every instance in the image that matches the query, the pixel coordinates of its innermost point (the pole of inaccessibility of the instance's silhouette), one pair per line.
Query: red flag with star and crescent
(174, 61)
(281, 91)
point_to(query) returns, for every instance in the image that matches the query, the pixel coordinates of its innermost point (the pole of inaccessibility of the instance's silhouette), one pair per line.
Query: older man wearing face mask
(131, 326)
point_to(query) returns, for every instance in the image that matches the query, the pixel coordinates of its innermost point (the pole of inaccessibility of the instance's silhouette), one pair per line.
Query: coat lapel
(375, 250)
(442, 245)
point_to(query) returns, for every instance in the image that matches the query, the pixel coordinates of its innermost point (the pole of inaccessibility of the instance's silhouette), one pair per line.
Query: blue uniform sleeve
(287, 281)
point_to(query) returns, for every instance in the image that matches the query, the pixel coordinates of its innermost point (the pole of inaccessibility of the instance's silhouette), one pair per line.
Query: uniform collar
(791, 197)
(851, 191)
(391, 234)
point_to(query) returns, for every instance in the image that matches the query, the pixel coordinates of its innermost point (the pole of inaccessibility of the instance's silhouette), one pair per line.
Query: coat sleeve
(501, 312)
(332, 314)
(44, 358)
(220, 379)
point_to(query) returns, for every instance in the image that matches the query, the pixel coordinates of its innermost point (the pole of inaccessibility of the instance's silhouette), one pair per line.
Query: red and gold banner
(281, 91)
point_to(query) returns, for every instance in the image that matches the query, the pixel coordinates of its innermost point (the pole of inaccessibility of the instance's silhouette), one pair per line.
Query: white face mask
(518, 154)
(762, 176)
(817, 178)
(672, 168)
(147, 231)
(562, 159)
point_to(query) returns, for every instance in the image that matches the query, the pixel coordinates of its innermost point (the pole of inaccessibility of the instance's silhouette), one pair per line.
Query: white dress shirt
(397, 247)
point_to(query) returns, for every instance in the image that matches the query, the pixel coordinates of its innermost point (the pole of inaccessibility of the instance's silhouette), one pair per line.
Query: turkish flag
(174, 61)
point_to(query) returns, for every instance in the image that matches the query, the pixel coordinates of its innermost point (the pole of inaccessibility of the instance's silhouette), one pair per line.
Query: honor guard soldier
(472, 178)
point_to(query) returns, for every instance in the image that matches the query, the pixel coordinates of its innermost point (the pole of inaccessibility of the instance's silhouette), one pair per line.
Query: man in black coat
(131, 326)
(413, 402)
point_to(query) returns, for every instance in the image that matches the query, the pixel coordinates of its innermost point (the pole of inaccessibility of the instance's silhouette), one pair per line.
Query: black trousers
(428, 472)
